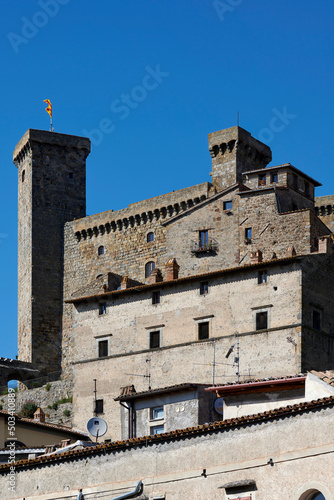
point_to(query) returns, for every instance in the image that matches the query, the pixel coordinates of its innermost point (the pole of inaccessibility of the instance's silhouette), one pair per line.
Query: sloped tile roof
(267, 416)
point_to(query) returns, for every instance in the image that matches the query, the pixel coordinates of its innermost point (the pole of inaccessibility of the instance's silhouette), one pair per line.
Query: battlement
(43, 137)
(136, 214)
(233, 152)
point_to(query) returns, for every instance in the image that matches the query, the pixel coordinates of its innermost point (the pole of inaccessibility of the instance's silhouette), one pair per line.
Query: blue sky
(180, 70)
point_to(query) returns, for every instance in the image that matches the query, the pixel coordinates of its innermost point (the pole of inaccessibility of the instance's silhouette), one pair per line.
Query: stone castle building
(156, 293)
(187, 321)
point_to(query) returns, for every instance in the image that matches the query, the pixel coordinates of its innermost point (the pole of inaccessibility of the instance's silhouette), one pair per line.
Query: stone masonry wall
(123, 235)
(45, 397)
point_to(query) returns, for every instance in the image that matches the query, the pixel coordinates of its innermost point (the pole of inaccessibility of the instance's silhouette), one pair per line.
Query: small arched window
(149, 268)
(150, 237)
(100, 250)
(23, 175)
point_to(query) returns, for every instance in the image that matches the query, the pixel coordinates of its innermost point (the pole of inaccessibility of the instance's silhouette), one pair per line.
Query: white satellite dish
(97, 427)
(219, 406)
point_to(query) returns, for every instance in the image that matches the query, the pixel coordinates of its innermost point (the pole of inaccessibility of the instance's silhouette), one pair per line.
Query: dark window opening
(102, 308)
(294, 207)
(262, 277)
(262, 320)
(294, 181)
(100, 250)
(70, 175)
(204, 238)
(150, 237)
(316, 320)
(99, 406)
(23, 175)
(248, 233)
(103, 348)
(156, 297)
(274, 177)
(204, 288)
(154, 339)
(262, 180)
(227, 205)
(149, 268)
(306, 188)
(203, 330)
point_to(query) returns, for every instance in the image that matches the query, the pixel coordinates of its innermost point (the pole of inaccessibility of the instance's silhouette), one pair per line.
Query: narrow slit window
(203, 238)
(156, 297)
(100, 250)
(102, 308)
(99, 406)
(262, 277)
(204, 288)
(248, 233)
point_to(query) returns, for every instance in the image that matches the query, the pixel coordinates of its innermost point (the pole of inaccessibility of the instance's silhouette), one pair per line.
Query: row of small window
(203, 290)
(262, 179)
(203, 331)
(149, 238)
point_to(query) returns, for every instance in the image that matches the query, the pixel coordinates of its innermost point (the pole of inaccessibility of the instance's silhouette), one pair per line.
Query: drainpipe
(133, 494)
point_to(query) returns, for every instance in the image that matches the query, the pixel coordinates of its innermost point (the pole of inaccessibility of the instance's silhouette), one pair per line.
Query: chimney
(125, 283)
(156, 276)
(39, 415)
(256, 257)
(172, 269)
(291, 252)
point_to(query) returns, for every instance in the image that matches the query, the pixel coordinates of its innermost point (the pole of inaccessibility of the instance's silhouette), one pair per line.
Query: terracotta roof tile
(177, 434)
(186, 279)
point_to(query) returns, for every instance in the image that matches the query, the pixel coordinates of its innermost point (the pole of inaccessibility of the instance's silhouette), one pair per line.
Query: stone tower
(233, 152)
(51, 191)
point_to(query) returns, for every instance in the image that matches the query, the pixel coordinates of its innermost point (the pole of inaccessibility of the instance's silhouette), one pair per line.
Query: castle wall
(123, 234)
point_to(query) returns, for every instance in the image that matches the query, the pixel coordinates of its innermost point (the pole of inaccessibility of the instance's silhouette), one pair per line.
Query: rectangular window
(306, 188)
(157, 413)
(154, 339)
(203, 330)
(248, 233)
(294, 181)
(203, 237)
(262, 320)
(103, 348)
(99, 406)
(156, 297)
(262, 277)
(316, 320)
(227, 205)
(102, 308)
(157, 429)
(274, 177)
(262, 180)
(204, 288)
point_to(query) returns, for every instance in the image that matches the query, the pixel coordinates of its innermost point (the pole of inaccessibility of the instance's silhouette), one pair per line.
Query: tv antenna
(147, 375)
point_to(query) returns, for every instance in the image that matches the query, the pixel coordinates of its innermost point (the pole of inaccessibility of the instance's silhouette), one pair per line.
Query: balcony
(209, 247)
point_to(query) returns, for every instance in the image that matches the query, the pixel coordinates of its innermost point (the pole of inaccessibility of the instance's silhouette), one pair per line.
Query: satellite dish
(219, 406)
(97, 427)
